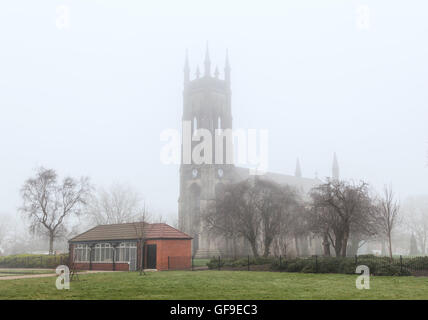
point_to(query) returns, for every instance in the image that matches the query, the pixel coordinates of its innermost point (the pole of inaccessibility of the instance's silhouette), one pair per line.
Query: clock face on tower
(194, 173)
(220, 172)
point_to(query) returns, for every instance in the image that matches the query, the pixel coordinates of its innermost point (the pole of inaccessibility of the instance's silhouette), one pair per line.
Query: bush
(240, 262)
(391, 270)
(347, 266)
(416, 263)
(296, 265)
(213, 263)
(33, 261)
(381, 266)
(329, 265)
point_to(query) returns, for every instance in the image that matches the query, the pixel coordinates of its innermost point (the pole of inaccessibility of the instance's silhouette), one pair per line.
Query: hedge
(33, 261)
(381, 266)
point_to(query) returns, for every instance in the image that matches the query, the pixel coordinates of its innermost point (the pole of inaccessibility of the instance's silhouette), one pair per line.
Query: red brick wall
(179, 252)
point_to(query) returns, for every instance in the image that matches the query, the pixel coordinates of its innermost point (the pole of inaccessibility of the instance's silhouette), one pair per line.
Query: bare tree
(323, 222)
(338, 207)
(141, 224)
(119, 204)
(235, 214)
(47, 203)
(289, 224)
(388, 210)
(257, 209)
(274, 204)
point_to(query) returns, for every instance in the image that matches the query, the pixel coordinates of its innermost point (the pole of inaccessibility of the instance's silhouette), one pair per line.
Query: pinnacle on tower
(298, 172)
(186, 69)
(207, 63)
(227, 68)
(216, 73)
(335, 168)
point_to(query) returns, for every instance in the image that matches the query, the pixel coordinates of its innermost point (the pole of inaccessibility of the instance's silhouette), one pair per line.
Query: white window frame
(103, 253)
(82, 252)
(125, 252)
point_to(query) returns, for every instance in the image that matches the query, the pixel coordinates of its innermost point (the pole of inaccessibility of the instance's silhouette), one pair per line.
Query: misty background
(92, 99)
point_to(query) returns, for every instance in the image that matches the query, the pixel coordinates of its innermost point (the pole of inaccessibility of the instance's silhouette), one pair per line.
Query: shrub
(241, 262)
(33, 261)
(416, 263)
(213, 263)
(381, 266)
(391, 270)
(347, 266)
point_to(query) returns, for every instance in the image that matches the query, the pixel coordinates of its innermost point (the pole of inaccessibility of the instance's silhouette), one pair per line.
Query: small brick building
(127, 246)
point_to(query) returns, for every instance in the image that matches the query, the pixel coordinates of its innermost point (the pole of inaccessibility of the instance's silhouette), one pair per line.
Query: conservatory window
(126, 251)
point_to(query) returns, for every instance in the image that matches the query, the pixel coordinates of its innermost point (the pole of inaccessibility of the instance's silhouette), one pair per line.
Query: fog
(92, 99)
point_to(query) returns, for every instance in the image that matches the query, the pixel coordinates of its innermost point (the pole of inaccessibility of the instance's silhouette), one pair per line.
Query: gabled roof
(130, 231)
(303, 184)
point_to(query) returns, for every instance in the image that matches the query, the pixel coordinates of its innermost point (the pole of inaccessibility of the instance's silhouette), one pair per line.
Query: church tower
(206, 109)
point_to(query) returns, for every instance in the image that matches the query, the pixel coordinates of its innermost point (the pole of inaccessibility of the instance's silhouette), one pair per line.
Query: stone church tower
(206, 105)
(207, 108)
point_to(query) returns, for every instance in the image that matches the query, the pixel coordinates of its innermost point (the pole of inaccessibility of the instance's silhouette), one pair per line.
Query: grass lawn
(216, 285)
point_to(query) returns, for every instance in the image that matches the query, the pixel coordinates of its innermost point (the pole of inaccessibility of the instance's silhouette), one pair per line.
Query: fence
(33, 261)
(399, 265)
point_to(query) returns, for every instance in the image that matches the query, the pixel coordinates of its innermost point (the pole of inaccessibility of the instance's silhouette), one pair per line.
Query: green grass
(216, 285)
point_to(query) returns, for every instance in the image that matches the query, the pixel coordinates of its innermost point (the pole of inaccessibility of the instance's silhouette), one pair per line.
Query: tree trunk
(344, 244)
(268, 243)
(254, 248)
(338, 246)
(353, 248)
(297, 245)
(338, 249)
(51, 242)
(326, 245)
(390, 245)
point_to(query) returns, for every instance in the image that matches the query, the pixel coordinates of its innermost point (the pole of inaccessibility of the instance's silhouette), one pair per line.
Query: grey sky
(93, 99)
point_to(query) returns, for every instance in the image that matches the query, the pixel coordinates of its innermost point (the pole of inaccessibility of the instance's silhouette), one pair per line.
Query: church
(207, 105)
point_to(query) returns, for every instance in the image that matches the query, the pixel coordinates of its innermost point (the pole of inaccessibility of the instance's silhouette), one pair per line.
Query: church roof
(130, 231)
(302, 184)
